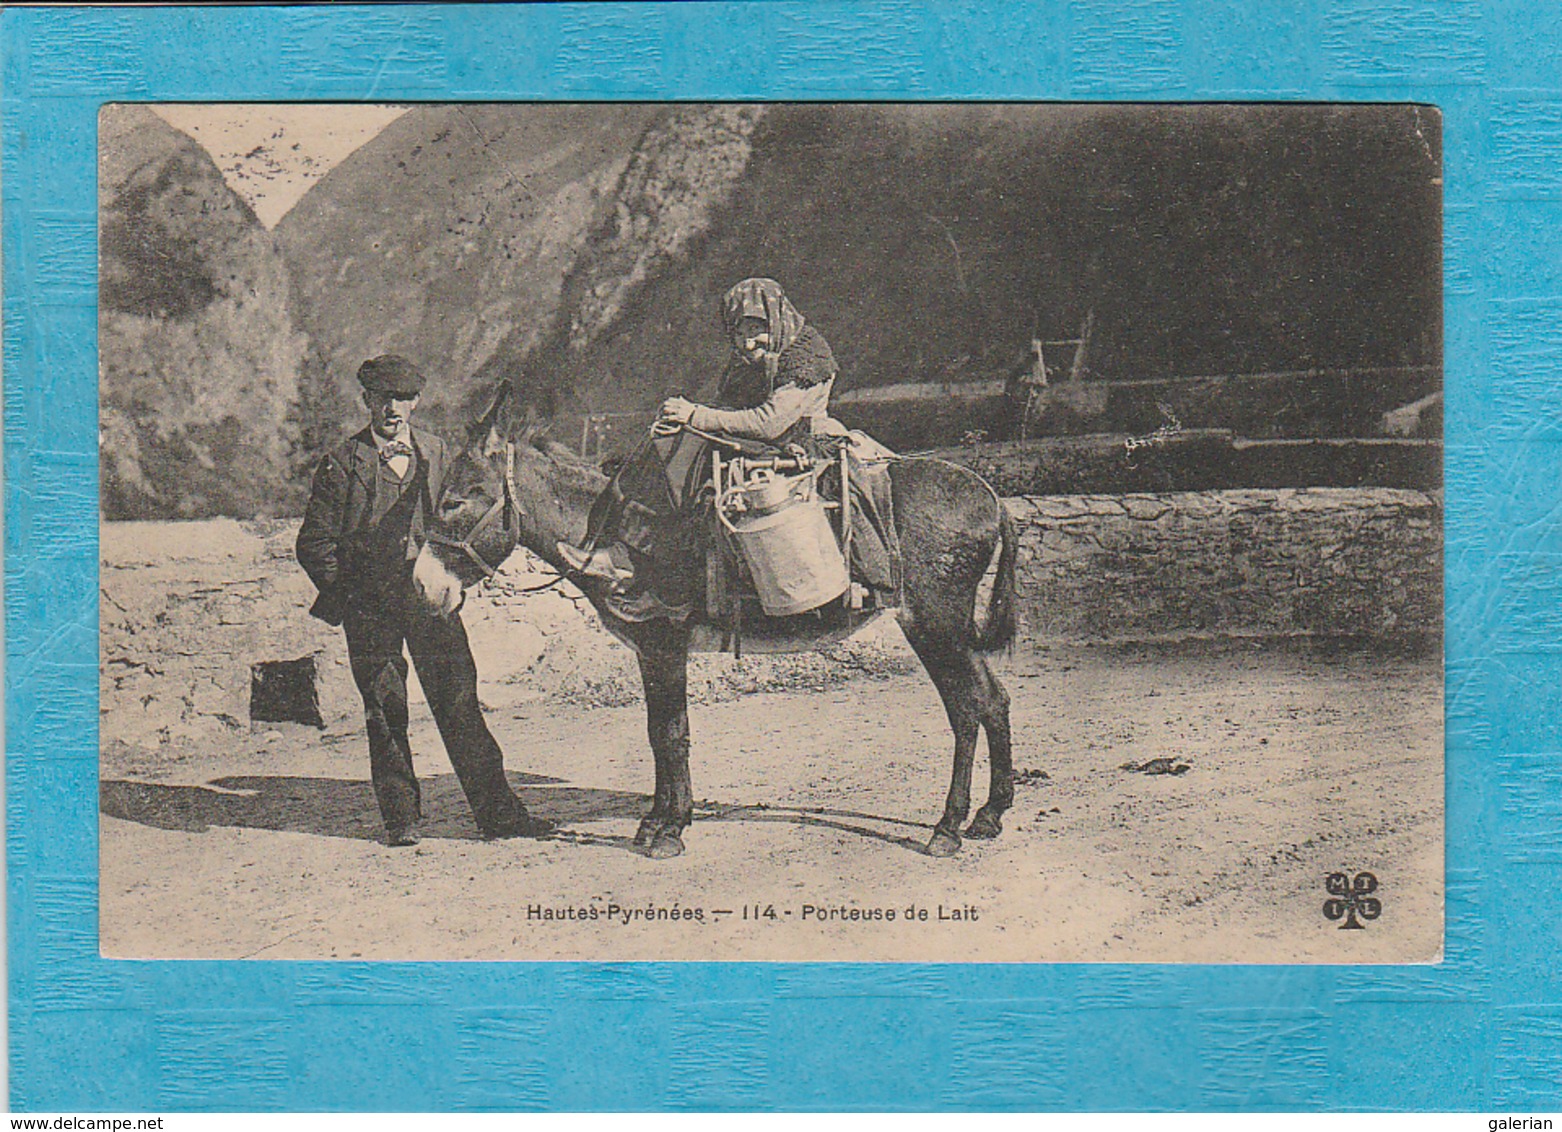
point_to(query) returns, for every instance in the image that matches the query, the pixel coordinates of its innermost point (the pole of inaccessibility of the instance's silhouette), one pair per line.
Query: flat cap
(391, 373)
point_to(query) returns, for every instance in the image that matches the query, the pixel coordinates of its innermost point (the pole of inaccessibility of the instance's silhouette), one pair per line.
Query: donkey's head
(477, 518)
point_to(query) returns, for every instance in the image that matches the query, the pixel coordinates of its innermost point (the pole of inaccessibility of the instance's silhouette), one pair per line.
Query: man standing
(361, 535)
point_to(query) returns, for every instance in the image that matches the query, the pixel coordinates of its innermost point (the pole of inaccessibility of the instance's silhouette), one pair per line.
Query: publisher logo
(1351, 899)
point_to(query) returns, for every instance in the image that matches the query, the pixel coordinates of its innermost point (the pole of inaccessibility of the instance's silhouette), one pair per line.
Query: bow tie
(393, 448)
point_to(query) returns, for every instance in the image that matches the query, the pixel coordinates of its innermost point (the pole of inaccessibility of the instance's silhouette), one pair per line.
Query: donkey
(500, 492)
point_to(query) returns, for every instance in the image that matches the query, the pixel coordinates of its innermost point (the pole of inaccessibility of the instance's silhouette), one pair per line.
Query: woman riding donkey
(776, 389)
(946, 525)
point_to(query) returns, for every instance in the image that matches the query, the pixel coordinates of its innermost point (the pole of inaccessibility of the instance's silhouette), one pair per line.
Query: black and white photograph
(917, 532)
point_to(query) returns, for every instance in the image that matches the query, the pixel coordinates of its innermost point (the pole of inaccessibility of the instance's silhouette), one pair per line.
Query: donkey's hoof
(943, 844)
(665, 845)
(984, 826)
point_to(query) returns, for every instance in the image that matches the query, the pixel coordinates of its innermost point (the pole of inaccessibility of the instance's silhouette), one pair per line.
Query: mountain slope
(580, 250)
(447, 235)
(930, 243)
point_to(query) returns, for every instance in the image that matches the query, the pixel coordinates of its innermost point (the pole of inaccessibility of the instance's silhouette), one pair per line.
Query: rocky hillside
(581, 249)
(448, 238)
(931, 242)
(199, 358)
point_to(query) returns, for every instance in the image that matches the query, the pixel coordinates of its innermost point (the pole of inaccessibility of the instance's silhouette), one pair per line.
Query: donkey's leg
(655, 727)
(657, 817)
(666, 681)
(953, 669)
(993, 707)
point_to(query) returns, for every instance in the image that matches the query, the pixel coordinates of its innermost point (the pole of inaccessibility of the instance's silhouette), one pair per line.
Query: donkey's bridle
(502, 509)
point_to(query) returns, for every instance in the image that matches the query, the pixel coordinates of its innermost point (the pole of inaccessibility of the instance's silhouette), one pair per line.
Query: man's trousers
(443, 658)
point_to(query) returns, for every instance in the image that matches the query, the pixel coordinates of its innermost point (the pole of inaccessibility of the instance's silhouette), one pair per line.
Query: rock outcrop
(199, 357)
(580, 251)
(449, 238)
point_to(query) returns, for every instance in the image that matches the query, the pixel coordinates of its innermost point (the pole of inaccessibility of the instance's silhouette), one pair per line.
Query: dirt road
(813, 810)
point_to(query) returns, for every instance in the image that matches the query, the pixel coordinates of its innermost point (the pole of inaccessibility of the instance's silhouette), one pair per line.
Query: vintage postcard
(789, 531)
(431, 432)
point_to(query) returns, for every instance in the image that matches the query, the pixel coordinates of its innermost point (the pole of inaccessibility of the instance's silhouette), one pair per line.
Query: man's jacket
(334, 544)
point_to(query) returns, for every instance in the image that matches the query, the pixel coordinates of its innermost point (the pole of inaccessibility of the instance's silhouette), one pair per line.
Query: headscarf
(763, 298)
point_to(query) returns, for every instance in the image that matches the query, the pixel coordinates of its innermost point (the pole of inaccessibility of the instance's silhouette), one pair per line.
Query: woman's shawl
(763, 299)
(807, 362)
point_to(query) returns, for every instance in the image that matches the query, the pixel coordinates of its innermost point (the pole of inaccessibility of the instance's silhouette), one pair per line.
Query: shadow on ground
(338, 807)
(345, 808)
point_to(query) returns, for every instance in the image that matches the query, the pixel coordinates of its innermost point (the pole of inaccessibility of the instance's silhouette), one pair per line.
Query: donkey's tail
(998, 629)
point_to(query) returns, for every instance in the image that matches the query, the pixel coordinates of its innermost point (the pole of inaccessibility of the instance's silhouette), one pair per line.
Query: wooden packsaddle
(788, 524)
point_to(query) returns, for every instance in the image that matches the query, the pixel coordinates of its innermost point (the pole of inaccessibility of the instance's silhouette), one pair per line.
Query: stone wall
(1323, 562)
(1197, 460)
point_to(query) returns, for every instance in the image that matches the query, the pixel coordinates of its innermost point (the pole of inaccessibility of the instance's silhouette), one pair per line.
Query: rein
(502, 507)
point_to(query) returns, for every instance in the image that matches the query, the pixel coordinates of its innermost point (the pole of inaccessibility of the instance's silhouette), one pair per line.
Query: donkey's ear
(492, 442)
(493, 427)
(532, 427)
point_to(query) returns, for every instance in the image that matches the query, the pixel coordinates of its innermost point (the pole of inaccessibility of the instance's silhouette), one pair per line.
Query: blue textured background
(1484, 1029)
